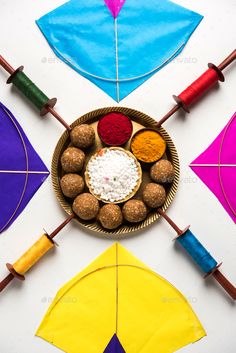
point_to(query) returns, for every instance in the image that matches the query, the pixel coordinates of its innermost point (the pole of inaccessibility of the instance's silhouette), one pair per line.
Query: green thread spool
(32, 92)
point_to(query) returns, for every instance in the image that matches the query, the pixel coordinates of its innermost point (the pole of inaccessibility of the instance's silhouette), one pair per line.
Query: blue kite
(118, 44)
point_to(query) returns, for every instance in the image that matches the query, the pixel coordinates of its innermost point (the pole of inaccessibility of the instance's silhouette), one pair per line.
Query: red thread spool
(199, 87)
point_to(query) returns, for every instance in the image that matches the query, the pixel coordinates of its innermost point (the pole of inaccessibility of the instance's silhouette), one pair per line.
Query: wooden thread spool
(200, 255)
(200, 86)
(32, 256)
(197, 251)
(31, 91)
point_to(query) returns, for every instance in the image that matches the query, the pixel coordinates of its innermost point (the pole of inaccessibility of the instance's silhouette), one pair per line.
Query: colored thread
(33, 255)
(199, 87)
(30, 90)
(197, 251)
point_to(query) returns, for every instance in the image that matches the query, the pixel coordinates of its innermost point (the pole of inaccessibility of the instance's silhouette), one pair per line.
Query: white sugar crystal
(113, 175)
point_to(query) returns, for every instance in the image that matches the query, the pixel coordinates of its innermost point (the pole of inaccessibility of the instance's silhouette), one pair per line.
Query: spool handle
(6, 65)
(61, 226)
(172, 223)
(228, 60)
(6, 281)
(225, 283)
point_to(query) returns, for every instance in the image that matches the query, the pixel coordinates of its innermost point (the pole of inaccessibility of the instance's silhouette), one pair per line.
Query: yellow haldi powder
(148, 146)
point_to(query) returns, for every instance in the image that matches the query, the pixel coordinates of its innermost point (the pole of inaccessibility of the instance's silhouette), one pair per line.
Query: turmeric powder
(148, 145)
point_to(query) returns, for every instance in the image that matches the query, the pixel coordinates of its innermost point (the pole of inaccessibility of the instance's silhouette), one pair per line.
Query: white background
(22, 305)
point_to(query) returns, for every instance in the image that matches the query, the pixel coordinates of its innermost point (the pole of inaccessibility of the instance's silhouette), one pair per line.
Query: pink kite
(216, 167)
(115, 6)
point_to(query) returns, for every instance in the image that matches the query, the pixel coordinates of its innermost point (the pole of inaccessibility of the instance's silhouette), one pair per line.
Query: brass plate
(139, 120)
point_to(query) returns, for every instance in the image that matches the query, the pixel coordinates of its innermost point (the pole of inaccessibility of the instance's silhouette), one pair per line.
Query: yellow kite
(119, 305)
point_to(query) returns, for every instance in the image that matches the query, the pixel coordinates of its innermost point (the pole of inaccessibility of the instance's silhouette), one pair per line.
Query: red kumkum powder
(115, 129)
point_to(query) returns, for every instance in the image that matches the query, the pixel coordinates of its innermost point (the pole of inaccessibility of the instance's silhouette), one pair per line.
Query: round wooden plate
(139, 120)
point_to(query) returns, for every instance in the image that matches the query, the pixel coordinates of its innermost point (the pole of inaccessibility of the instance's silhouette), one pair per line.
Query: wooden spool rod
(49, 107)
(13, 274)
(216, 273)
(180, 104)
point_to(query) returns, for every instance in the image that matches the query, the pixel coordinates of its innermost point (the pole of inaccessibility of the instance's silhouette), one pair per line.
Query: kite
(216, 167)
(21, 170)
(118, 305)
(118, 44)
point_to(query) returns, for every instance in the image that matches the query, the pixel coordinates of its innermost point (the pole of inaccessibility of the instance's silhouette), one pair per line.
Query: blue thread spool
(197, 251)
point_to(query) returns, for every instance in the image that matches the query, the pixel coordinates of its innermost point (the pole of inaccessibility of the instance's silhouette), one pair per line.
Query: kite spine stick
(117, 61)
(32, 92)
(200, 255)
(200, 86)
(32, 256)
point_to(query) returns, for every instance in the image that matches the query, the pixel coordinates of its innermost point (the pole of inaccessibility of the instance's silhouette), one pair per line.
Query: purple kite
(21, 170)
(216, 167)
(114, 346)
